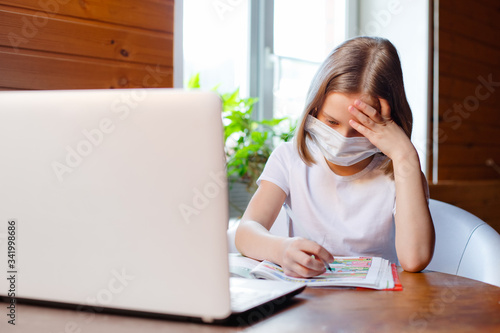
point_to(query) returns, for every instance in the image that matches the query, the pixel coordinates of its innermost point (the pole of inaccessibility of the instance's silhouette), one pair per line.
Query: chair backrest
(465, 245)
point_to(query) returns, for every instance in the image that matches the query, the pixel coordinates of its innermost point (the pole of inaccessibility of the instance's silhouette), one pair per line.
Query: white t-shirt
(347, 215)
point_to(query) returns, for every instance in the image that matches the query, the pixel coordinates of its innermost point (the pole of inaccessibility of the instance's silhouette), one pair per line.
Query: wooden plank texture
(7, 89)
(464, 25)
(75, 36)
(147, 14)
(470, 173)
(38, 70)
(482, 12)
(467, 155)
(472, 89)
(469, 90)
(455, 113)
(466, 70)
(468, 133)
(86, 44)
(481, 198)
(468, 48)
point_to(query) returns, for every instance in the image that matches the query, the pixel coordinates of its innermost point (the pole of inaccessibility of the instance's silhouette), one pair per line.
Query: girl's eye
(332, 122)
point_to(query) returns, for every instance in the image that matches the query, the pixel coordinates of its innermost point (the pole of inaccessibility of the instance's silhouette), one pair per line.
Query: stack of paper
(364, 272)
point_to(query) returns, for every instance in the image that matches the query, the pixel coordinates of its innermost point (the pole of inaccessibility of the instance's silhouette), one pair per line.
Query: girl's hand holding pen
(301, 257)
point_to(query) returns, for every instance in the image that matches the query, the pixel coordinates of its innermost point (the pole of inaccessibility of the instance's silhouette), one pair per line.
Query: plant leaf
(194, 82)
(272, 122)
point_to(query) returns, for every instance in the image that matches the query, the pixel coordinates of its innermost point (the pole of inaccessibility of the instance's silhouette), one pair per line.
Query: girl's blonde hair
(368, 66)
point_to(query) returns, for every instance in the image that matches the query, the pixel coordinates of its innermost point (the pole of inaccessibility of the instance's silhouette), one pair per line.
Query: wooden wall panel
(62, 44)
(480, 198)
(40, 71)
(469, 108)
(144, 14)
(469, 89)
(481, 13)
(77, 37)
(467, 128)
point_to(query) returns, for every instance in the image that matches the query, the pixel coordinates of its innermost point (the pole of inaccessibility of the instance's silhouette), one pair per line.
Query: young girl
(351, 176)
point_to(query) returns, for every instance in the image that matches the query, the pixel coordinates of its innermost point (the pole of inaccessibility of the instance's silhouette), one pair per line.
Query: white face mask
(337, 148)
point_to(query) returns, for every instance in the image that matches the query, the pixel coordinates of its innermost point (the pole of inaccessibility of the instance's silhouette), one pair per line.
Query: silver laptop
(117, 200)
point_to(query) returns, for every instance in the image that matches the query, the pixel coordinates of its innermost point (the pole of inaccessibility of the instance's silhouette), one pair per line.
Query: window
(299, 48)
(215, 43)
(406, 24)
(271, 49)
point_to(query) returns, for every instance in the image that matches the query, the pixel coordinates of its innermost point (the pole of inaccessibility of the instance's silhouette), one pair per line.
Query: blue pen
(304, 232)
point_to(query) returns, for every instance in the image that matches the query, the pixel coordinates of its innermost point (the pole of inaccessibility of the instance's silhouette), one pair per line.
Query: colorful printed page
(366, 272)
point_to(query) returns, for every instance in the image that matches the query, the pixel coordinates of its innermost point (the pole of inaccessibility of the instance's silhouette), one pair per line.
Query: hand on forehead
(335, 110)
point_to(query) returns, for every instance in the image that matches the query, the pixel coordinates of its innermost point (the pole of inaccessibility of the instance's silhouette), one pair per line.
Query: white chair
(465, 245)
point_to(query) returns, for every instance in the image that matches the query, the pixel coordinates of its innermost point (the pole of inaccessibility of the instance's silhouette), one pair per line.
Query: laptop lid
(116, 199)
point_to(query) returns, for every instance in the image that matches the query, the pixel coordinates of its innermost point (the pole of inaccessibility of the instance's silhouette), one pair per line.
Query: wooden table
(430, 302)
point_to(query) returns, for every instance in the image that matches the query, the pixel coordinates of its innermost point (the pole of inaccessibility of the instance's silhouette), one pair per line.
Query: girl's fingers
(303, 265)
(369, 111)
(299, 271)
(310, 262)
(360, 128)
(386, 109)
(361, 118)
(306, 258)
(313, 248)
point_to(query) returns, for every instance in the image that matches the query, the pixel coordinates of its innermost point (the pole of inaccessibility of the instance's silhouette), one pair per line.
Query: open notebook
(117, 200)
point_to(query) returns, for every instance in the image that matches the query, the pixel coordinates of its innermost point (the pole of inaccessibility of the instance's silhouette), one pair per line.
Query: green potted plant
(248, 143)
